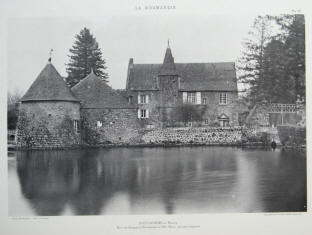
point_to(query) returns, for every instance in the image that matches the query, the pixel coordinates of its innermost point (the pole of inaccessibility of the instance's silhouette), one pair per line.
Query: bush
(292, 135)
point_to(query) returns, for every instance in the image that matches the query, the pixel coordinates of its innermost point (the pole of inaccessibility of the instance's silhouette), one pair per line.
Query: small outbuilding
(107, 117)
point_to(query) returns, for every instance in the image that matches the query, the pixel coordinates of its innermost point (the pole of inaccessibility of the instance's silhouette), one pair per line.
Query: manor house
(158, 91)
(92, 113)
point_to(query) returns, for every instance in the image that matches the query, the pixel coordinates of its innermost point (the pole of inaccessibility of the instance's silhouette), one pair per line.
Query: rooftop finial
(168, 44)
(50, 56)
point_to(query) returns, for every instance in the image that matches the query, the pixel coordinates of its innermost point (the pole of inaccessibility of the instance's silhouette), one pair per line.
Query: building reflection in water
(152, 180)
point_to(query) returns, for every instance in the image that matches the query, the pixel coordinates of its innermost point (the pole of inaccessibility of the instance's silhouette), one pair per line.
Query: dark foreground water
(156, 181)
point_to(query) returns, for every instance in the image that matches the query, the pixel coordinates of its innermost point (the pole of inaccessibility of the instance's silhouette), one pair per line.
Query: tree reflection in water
(159, 180)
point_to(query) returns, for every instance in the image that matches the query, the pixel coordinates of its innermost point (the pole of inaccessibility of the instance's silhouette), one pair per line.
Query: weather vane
(50, 55)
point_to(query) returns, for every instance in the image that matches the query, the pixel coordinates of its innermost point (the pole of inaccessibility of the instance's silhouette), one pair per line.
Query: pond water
(156, 181)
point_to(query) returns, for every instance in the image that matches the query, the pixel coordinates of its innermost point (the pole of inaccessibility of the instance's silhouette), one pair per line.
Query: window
(130, 99)
(206, 121)
(143, 113)
(143, 99)
(204, 100)
(99, 124)
(76, 126)
(191, 97)
(223, 98)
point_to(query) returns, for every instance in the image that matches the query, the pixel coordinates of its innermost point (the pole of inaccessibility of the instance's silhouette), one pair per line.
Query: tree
(273, 65)
(12, 103)
(292, 27)
(251, 64)
(85, 55)
(275, 80)
(186, 113)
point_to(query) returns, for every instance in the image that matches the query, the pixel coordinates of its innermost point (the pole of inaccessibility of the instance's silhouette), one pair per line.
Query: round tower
(49, 115)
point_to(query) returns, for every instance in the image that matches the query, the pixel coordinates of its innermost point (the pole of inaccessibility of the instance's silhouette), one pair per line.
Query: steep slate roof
(49, 85)
(194, 76)
(168, 66)
(93, 92)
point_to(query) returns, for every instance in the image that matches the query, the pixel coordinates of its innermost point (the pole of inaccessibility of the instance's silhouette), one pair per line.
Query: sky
(213, 38)
(32, 30)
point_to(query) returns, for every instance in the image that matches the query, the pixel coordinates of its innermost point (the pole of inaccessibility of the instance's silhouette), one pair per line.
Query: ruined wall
(117, 126)
(48, 124)
(199, 135)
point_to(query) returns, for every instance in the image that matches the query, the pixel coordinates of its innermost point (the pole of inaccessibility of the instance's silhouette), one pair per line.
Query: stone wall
(110, 126)
(48, 124)
(195, 135)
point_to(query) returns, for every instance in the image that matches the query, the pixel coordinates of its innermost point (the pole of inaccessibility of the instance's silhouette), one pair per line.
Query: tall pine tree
(278, 86)
(293, 35)
(85, 55)
(273, 66)
(251, 63)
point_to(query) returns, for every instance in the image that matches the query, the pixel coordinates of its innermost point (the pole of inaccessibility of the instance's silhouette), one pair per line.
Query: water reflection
(159, 180)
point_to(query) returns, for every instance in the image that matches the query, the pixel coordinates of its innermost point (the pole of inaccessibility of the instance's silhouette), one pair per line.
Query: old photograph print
(156, 115)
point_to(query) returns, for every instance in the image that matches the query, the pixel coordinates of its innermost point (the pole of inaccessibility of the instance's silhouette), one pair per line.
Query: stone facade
(167, 86)
(160, 116)
(214, 109)
(48, 124)
(109, 126)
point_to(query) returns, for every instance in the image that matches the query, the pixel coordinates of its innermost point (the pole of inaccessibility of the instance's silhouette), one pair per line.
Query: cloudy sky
(201, 37)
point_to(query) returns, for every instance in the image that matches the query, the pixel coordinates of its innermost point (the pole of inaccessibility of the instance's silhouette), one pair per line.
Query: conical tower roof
(168, 66)
(95, 93)
(48, 86)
